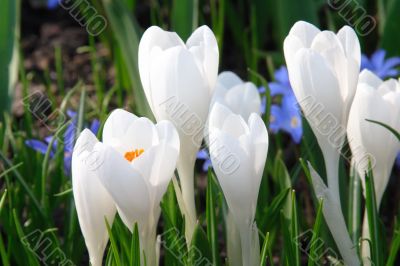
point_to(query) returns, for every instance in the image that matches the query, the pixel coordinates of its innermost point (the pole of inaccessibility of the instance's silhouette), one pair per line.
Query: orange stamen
(132, 155)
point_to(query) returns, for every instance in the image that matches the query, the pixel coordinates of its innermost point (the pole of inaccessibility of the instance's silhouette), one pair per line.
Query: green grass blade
(184, 17)
(395, 246)
(294, 230)
(373, 219)
(211, 218)
(113, 244)
(9, 47)
(264, 250)
(397, 134)
(200, 252)
(135, 247)
(127, 33)
(25, 186)
(314, 252)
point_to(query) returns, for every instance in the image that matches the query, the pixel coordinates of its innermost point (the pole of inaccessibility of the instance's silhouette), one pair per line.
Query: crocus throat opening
(132, 155)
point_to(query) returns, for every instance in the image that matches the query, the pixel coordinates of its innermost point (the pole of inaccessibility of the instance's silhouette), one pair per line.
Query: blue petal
(278, 89)
(366, 63)
(38, 145)
(69, 137)
(202, 154)
(378, 58)
(261, 90)
(206, 165)
(282, 75)
(94, 126)
(52, 4)
(389, 67)
(71, 113)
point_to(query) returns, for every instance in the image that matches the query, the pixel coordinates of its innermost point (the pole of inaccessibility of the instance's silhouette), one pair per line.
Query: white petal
(141, 134)
(243, 99)
(167, 133)
(235, 173)
(162, 160)
(93, 203)
(126, 186)
(153, 37)
(366, 76)
(350, 43)
(235, 126)
(228, 79)
(259, 137)
(305, 32)
(204, 39)
(116, 125)
(218, 115)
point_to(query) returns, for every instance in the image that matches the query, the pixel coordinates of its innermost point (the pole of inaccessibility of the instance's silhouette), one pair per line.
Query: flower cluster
(129, 170)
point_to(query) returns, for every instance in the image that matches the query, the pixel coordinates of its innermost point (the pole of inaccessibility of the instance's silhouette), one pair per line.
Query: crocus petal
(153, 37)
(93, 203)
(207, 55)
(116, 125)
(228, 79)
(126, 186)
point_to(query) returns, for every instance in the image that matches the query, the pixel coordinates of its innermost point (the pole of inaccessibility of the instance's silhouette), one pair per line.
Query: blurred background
(81, 57)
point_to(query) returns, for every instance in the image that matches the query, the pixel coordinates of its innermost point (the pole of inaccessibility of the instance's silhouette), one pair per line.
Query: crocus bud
(178, 80)
(369, 141)
(240, 97)
(238, 152)
(323, 71)
(93, 203)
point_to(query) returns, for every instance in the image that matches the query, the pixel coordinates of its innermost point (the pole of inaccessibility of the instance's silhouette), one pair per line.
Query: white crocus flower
(139, 159)
(240, 97)
(93, 203)
(238, 152)
(134, 164)
(379, 101)
(178, 80)
(323, 71)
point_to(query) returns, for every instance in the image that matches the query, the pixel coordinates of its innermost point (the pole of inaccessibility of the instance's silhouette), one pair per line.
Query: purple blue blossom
(285, 116)
(383, 68)
(203, 155)
(68, 139)
(52, 4)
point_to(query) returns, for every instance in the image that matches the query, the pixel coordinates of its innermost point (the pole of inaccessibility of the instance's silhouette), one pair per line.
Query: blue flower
(285, 116)
(383, 68)
(203, 155)
(52, 4)
(69, 138)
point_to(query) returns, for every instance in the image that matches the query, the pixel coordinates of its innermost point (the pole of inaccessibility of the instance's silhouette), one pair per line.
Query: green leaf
(314, 248)
(397, 134)
(25, 186)
(199, 251)
(264, 250)
(184, 17)
(294, 231)
(390, 40)
(288, 12)
(135, 247)
(211, 218)
(373, 219)
(270, 218)
(9, 47)
(395, 246)
(127, 34)
(114, 247)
